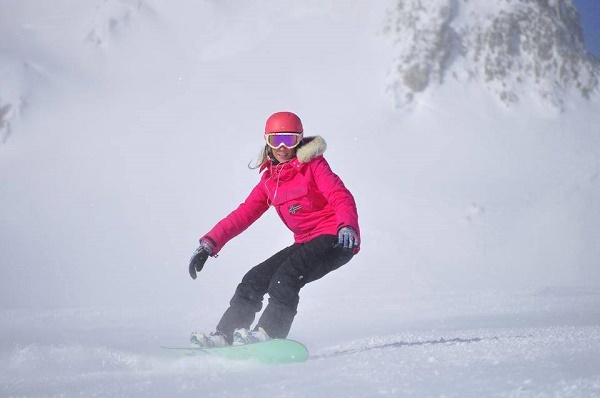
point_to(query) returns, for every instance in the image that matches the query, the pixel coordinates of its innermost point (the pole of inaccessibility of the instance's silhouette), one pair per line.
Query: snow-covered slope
(464, 344)
(479, 220)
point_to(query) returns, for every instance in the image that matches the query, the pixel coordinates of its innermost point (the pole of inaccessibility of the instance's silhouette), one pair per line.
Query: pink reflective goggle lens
(288, 140)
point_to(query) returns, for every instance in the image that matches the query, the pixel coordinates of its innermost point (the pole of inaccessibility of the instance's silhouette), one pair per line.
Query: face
(280, 144)
(283, 154)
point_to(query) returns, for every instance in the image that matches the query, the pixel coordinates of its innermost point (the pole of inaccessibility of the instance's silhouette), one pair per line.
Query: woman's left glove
(348, 238)
(199, 258)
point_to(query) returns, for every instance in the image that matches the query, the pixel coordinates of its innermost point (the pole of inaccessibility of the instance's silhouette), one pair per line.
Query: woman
(314, 204)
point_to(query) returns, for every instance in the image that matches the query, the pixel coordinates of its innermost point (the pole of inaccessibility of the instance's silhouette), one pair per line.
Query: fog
(141, 119)
(132, 127)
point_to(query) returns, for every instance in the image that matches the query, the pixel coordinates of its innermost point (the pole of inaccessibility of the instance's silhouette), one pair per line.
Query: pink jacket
(310, 199)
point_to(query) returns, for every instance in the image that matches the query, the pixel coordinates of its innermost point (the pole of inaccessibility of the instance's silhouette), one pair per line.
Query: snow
(542, 342)
(136, 120)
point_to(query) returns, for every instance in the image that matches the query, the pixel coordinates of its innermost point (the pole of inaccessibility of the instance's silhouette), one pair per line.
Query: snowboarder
(314, 204)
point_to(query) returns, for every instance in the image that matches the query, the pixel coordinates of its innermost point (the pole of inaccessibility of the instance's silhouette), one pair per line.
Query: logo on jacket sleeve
(294, 208)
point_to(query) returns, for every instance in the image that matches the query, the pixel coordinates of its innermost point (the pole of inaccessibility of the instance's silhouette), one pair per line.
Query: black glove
(199, 258)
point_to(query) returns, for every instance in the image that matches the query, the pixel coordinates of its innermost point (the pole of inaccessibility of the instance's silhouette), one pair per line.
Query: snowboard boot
(211, 341)
(245, 336)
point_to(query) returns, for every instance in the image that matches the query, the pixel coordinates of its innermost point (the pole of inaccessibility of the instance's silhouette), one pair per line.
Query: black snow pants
(281, 276)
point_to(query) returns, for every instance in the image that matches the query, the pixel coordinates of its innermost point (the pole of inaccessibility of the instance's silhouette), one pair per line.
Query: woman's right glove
(199, 258)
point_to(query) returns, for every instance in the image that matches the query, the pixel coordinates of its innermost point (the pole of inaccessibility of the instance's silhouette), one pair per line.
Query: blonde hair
(263, 156)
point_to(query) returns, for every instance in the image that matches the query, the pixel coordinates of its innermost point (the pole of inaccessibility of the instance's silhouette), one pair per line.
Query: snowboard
(270, 351)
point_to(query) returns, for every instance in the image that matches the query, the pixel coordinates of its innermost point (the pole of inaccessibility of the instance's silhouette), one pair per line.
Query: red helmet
(283, 122)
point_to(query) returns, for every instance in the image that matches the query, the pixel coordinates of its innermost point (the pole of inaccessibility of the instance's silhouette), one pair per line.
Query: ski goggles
(288, 140)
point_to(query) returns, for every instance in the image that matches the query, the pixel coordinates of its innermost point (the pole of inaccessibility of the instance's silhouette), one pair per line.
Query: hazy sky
(589, 11)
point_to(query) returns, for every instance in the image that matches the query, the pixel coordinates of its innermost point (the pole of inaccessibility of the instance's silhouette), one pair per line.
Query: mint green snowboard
(271, 351)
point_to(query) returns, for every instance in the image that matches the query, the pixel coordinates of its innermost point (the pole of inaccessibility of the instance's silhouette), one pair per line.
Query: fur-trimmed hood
(310, 148)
